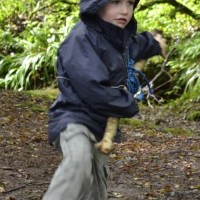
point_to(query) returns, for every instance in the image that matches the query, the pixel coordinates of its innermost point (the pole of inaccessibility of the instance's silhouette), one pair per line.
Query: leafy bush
(30, 58)
(31, 32)
(186, 64)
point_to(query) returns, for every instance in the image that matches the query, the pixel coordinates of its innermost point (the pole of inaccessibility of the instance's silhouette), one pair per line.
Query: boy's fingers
(104, 146)
(163, 44)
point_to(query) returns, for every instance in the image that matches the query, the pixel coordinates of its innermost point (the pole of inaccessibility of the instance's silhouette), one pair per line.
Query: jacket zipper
(125, 60)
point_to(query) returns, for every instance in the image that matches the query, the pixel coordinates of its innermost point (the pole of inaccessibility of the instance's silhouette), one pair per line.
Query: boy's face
(117, 12)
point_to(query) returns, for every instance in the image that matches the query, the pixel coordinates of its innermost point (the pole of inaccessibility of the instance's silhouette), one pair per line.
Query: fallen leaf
(117, 195)
(2, 187)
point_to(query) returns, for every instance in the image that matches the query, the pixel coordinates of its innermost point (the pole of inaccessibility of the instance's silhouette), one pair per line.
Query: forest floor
(158, 159)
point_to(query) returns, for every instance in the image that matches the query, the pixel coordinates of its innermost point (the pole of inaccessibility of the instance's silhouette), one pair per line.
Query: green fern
(187, 65)
(34, 65)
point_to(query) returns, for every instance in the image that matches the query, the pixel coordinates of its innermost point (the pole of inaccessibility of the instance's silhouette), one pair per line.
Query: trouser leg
(99, 173)
(81, 174)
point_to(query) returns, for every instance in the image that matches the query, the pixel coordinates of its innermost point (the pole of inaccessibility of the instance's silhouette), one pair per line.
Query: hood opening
(90, 7)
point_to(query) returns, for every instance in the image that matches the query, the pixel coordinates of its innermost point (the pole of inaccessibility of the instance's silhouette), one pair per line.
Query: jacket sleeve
(89, 78)
(143, 46)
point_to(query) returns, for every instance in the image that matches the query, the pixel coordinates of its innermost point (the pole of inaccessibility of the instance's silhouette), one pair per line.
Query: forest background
(32, 30)
(160, 153)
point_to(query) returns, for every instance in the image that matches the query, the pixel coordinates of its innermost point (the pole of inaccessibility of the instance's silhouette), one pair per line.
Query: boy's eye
(115, 1)
(131, 3)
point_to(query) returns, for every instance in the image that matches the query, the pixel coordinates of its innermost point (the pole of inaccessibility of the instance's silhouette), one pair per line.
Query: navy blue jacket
(91, 66)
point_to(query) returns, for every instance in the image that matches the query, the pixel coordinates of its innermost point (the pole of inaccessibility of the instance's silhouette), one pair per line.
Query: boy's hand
(162, 43)
(105, 145)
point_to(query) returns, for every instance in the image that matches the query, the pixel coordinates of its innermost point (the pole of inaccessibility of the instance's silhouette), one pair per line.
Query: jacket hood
(92, 6)
(116, 35)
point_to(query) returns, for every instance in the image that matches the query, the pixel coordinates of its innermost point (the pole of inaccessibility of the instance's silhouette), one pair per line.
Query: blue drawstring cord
(133, 84)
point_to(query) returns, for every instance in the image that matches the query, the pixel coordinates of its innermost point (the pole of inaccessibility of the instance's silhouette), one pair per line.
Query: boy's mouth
(121, 20)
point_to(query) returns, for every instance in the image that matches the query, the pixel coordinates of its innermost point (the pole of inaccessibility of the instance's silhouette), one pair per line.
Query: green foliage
(13, 7)
(186, 65)
(168, 18)
(194, 116)
(47, 93)
(31, 32)
(178, 22)
(28, 59)
(33, 66)
(136, 123)
(179, 131)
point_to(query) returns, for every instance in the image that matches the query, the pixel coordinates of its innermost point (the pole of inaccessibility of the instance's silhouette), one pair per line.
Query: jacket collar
(117, 36)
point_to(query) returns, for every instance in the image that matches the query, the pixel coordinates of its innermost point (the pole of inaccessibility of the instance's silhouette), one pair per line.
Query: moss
(38, 109)
(44, 93)
(32, 106)
(193, 116)
(132, 122)
(179, 131)
(136, 123)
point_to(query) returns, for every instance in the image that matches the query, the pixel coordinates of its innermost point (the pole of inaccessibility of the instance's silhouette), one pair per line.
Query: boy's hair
(136, 3)
(91, 7)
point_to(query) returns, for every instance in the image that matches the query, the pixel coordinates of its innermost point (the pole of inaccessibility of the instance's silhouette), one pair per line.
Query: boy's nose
(124, 8)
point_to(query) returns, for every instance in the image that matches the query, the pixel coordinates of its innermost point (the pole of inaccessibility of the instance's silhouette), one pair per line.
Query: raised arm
(145, 45)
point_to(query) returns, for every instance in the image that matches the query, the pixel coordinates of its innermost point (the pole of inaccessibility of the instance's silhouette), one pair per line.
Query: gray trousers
(82, 173)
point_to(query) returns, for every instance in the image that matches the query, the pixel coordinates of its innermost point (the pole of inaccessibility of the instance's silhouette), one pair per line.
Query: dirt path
(150, 163)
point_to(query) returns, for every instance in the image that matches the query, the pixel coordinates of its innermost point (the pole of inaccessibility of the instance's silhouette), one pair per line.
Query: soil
(151, 162)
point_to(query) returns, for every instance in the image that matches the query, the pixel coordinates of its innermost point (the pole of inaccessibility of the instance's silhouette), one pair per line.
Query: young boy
(91, 70)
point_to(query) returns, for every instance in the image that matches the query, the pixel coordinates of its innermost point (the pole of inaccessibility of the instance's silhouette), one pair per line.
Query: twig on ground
(7, 168)
(23, 186)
